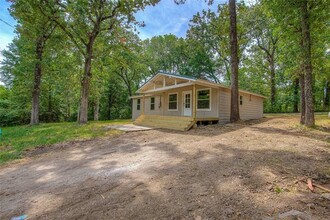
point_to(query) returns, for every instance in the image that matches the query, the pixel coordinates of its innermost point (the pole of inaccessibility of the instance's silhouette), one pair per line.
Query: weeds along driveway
(242, 171)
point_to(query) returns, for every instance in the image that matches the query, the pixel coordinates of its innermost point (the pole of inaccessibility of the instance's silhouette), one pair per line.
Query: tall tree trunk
(326, 102)
(50, 106)
(68, 112)
(109, 103)
(78, 113)
(296, 95)
(234, 107)
(83, 111)
(37, 81)
(302, 98)
(85, 83)
(96, 109)
(307, 57)
(130, 93)
(272, 84)
(130, 100)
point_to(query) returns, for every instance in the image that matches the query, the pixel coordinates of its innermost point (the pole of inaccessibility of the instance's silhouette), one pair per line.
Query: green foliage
(15, 140)
(210, 31)
(278, 190)
(287, 15)
(165, 53)
(121, 62)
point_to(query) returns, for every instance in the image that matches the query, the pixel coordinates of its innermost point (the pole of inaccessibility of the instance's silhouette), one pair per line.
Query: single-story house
(179, 102)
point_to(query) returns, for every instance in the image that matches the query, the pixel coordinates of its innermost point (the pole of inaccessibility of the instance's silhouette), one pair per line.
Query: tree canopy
(82, 60)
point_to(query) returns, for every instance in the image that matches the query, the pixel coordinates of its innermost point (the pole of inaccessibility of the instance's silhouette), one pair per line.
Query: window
(203, 99)
(173, 101)
(241, 100)
(187, 100)
(138, 104)
(152, 103)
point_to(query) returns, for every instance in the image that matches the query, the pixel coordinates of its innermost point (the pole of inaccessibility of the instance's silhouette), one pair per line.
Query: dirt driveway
(244, 171)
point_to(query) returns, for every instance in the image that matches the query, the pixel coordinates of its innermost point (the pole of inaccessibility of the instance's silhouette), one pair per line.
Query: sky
(167, 17)
(164, 18)
(6, 32)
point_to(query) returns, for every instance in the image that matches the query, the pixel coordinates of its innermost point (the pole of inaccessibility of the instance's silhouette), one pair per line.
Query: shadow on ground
(243, 172)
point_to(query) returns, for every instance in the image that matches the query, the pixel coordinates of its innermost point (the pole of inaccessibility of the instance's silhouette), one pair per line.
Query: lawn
(322, 120)
(16, 139)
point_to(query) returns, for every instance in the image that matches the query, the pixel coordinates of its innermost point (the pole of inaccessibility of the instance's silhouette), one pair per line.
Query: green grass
(278, 190)
(321, 118)
(271, 115)
(15, 140)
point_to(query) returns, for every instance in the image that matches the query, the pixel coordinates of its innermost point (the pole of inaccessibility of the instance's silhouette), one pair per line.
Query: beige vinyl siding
(136, 113)
(200, 113)
(220, 105)
(157, 110)
(163, 98)
(224, 105)
(251, 108)
(213, 113)
(179, 91)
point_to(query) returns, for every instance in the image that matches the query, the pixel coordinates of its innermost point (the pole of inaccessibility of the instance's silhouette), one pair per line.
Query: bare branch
(52, 27)
(65, 30)
(263, 48)
(113, 13)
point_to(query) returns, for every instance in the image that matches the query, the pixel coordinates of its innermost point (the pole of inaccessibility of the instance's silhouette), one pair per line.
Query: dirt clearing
(242, 171)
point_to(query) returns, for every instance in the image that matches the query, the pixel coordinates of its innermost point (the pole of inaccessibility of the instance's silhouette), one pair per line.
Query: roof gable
(157, 81)
(163, 81)
(178, 76)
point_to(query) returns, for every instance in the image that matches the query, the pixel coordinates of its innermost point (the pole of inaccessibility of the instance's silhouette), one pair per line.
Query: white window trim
(177, 102)
(183, 100)
(137, 104)
(204, 109)
(151, 103)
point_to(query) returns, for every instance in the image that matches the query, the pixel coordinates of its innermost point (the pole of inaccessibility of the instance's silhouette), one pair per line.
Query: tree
(270, 57)
(38, 29)
(17, 71)
(266, 40)
(307, 60)
(210, 31)
(83, 22)
(165, 53)
(208, 35)
(234, 107)
(303, 25)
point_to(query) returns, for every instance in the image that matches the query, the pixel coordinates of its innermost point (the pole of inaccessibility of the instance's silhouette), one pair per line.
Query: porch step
(169, 122)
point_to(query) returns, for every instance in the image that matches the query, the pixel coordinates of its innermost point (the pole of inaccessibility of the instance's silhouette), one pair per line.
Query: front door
(186, 103)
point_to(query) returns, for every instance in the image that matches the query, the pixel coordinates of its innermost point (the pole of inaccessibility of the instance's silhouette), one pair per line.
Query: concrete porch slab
(129, 127)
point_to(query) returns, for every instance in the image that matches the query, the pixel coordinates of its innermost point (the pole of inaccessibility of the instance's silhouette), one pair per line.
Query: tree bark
(109, 106)
(296, 95)
(96, 109)
(85, 82)
(307, 57)
(326, 102)
(50, 106)
(272, 84)
(68, 112)
(302, 98)
(37, 81)
(110, 101)
(234, 107)
(83, 111)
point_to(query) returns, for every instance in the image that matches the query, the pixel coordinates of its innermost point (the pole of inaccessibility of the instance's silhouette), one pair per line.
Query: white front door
(187, 103)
